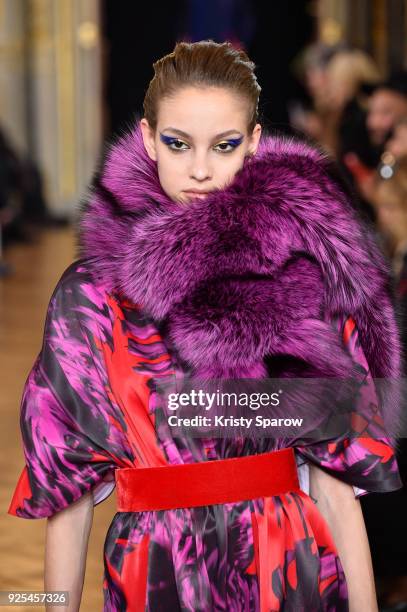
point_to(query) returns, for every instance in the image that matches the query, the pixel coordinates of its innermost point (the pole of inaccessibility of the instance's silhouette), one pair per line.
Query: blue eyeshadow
(167, 139)
(234, 141)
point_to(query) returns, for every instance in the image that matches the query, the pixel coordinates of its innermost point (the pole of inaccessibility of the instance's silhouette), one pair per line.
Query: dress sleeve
(71, 433)
(364, 457)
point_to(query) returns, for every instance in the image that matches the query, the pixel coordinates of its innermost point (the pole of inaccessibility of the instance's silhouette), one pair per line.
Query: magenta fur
(255, 270)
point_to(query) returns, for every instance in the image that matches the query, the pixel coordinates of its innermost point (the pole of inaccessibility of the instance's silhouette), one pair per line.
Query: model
(211, 251)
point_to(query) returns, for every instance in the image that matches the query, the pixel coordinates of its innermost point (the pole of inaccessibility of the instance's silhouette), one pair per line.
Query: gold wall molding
(64, 23)
(50, 83)
(376, 26)
(12, 73)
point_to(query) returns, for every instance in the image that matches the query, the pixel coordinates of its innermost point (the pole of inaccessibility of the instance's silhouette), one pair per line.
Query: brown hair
(203, 63)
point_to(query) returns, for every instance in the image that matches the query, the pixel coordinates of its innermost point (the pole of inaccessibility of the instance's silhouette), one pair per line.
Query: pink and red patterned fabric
(90, 406)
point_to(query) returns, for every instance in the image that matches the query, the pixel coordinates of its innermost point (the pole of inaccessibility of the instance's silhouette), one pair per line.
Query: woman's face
(391, 214)
(200, 142)
(397, 145)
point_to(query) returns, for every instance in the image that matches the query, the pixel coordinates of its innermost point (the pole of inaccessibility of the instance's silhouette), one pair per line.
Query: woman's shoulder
(79, 290)
(78, 276)
(80, 270)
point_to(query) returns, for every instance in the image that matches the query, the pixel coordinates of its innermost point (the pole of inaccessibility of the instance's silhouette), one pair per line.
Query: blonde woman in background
(339, 83)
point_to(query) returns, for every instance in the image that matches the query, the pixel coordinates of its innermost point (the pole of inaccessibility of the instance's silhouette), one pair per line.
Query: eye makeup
(235, 142)
(170, 141)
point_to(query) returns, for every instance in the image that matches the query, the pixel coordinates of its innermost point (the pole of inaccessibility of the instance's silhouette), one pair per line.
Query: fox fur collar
(254, 272)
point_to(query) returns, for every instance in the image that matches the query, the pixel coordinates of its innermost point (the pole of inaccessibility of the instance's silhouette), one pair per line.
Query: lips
(196, 194)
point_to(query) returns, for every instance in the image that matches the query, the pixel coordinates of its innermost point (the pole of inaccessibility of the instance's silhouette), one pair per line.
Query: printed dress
(89, 408)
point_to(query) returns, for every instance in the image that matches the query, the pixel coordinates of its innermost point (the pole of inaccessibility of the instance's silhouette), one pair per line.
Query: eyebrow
(216, 137)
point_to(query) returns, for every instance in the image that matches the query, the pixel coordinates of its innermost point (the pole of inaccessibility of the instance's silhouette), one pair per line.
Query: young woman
(209, 251)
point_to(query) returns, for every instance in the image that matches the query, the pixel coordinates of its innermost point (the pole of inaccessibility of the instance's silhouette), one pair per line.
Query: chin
(180, 199)
(377, 139)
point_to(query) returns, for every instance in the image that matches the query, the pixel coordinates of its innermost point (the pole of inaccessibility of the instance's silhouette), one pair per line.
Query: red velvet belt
(205, 483)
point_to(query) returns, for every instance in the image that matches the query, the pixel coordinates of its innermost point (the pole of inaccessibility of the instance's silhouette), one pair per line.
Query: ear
(148, 139)
(254, 139)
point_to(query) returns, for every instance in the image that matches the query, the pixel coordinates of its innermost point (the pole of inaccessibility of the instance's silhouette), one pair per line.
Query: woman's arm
(66, 548)
(342, 511)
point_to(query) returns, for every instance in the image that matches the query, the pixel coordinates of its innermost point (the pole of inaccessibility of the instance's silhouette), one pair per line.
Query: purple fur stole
(257, 269)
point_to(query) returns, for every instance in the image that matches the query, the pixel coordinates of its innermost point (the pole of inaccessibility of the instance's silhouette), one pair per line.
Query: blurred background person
(23, 208)
(388, 537)
(387, 106)
(397, 143)
(350, 74)
(338, 80)
(10, 197)
(313, 114)
(390, 202)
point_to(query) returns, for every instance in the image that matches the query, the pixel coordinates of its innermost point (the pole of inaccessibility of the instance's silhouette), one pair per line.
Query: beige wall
(12, 72)
(50, 90)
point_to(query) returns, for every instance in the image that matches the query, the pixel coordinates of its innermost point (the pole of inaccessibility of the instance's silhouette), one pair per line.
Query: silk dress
(90, 406)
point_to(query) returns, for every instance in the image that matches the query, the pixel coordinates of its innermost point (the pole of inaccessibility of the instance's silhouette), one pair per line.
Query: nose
(370, 120)
(200, 169)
